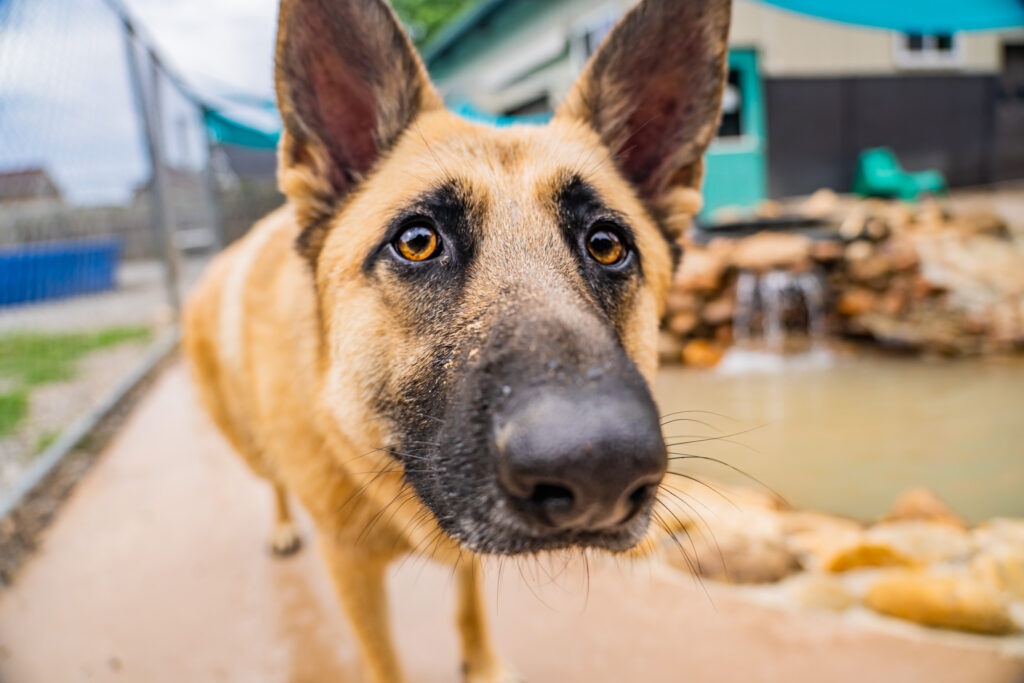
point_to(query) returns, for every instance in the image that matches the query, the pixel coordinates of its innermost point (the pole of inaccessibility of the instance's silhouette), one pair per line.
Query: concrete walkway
(156, 571)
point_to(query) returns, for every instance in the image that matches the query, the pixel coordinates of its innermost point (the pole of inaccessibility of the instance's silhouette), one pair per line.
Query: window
(538, 105)
(732, 107)
(588, 32)
(927, 50)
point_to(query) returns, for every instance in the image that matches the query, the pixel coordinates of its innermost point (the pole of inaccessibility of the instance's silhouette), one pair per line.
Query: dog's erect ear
(653, 93)
(349, 82)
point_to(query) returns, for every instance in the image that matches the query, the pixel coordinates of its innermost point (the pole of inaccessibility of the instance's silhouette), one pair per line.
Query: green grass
(13, 408)
(44, 441)
(28, 359)
(31, 358)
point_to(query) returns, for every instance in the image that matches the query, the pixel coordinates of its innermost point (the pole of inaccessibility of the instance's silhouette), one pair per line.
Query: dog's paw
(285, 540)
(498, 673)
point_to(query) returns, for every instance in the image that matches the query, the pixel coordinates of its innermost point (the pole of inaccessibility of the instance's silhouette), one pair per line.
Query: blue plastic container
(54, 270)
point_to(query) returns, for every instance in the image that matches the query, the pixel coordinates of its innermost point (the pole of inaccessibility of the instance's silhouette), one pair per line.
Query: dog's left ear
(349, 83)
(653, 93)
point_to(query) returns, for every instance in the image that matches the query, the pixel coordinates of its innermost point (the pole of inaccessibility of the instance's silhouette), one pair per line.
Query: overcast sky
(65, 100)
(228, 42)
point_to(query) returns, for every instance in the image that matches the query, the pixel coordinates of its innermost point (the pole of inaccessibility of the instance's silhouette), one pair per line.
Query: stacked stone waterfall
(913, 277)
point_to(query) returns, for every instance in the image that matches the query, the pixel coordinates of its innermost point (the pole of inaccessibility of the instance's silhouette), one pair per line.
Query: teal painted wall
(736, 172)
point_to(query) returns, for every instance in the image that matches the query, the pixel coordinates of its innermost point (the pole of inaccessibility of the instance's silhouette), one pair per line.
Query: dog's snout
(581, 462)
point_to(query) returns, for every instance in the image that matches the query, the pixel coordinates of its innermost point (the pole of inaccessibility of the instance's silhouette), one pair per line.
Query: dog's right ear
(349, 82)
(653, 92)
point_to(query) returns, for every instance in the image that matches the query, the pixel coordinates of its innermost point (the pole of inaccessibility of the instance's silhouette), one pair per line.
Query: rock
(870, 269)
(930, 217)
(1002, 568)
(893, 303)
(953, 602)
(729, 214)
(876, 229)
(769, 208)
(822, 203)
(857, 301)
(701, 270)
(1005, 323)
(922, 542)
(898, 216)
(921, 288)
(769, 250)
(1000, 531)
(867, 554)
(680, 300)
(720, 310)
(702, 354)
(683, 323)
(723, 335)
(733, 557)
(920, 504)
(821, 592)
(826, 251)
(670, 349)
(977, 273)
(858, 251)
(817, 537)
(919, 329)
(722, 246)
(900, 254)
(981, 222)
(852, 227)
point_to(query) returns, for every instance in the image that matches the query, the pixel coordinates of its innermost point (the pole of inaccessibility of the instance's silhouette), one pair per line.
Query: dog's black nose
(581, 462)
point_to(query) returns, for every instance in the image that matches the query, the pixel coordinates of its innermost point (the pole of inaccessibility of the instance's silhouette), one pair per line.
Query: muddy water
(849, 436)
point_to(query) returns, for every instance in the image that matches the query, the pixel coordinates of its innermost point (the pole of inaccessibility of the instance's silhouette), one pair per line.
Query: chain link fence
(112, 199)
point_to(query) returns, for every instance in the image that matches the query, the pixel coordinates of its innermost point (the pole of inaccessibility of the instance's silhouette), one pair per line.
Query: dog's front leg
(480, 664)
(359, 578)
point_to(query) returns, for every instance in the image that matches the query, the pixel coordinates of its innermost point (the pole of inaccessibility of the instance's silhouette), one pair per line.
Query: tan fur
(286, 355)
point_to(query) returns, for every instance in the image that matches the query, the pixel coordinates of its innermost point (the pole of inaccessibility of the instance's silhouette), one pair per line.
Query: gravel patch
(55, 406)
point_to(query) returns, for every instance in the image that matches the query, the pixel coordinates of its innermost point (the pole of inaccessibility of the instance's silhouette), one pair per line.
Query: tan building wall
(793, 44)
(514, 64)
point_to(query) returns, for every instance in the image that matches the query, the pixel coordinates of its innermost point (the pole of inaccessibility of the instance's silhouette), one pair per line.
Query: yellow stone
(867, 554)
(822, 592)
(923, 505)
(702, 354)
(952, 602)
(1003, 570)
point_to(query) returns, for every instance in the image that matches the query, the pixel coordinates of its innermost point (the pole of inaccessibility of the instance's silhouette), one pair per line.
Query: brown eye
(417, 243)
(606, 247)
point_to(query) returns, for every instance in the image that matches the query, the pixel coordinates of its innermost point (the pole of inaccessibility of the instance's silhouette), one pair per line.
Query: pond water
(848, 436)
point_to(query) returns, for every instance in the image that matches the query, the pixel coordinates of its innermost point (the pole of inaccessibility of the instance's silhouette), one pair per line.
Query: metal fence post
(212, 192)
(162, 216)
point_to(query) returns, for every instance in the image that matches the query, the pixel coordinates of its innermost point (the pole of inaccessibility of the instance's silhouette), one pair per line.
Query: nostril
(552, 504)
(552, 497)
(639, 497)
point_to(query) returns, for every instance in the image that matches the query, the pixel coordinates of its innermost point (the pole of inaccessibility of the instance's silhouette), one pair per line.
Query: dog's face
(489, 299)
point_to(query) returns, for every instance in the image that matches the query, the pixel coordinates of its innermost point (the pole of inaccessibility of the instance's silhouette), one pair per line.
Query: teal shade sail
(225, 130)
(915, 16)
(471, 112)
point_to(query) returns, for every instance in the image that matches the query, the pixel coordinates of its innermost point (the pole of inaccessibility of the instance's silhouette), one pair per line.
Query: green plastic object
(879, 174)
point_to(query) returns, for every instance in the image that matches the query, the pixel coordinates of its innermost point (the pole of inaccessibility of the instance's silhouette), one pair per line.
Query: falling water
(770, 299)
(812, 290)
(746, 306)
(774, 288)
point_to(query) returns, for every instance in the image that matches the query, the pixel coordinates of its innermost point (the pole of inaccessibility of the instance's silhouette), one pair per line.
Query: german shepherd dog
(442, 343)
